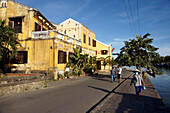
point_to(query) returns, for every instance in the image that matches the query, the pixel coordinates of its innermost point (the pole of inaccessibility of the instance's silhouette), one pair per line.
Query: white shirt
(119, 70)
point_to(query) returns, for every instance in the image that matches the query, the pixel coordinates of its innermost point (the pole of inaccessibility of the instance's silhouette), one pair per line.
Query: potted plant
(60, 76)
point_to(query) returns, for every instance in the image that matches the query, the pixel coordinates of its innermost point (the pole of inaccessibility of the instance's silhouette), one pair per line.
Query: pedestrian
(138, 82)
(119, 73)
(112, 74)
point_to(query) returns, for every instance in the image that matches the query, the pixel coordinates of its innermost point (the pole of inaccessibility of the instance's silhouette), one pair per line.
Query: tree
(91, 65)
(105, 61)
(138, 52)
(112, 62)
(8, 41)
(79, 61)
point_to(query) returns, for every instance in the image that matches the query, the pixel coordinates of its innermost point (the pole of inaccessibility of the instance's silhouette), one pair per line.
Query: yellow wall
(88, 34)
(70, 28)
(100, 46)
(19, 11)
(74, 28)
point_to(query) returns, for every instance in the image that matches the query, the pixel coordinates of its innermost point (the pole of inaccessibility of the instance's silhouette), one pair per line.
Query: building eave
(102, 43)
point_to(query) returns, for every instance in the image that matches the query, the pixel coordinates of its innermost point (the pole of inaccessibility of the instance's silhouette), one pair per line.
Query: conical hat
(137, 70)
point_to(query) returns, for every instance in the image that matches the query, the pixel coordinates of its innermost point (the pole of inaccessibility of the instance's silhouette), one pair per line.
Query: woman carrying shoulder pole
(138, 82)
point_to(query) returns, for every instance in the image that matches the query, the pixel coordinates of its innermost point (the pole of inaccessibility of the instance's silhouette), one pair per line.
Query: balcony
(70, 40)
(78, 42)
(40, 34)
(60, 36)
(55, 34)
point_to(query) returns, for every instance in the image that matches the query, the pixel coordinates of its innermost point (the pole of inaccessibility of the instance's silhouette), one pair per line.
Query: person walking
(138, 82)
(112, 74)
(119, 73)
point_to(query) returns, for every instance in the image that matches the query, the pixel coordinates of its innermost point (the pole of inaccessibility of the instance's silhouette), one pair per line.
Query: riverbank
(123, 99)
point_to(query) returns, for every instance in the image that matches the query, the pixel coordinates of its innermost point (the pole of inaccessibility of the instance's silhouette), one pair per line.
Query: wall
(101, 46)
(11, 85)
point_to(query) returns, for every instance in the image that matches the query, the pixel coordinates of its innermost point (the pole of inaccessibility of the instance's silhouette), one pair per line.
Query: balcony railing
(60, 36)
(78, 42)
(54, 34)
(70, 40)
(40, 34)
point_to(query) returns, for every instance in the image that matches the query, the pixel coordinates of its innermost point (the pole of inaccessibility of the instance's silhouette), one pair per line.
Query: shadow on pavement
(107, 91)
(128, 103)
(102, 77)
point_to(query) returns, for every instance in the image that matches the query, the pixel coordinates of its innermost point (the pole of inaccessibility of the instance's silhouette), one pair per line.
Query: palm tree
(91, 65)
(112, 62)
(105, 61)
(8, 41)
(79, 61)
(138, 52)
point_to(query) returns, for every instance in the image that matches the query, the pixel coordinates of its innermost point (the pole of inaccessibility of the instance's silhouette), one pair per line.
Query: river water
(161, 83)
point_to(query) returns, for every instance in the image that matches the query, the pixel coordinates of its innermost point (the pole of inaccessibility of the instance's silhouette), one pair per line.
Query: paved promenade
(122, 99)
(89, 94)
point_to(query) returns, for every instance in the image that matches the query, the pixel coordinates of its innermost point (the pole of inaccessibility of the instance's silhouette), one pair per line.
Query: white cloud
(164, 51)
(79, 9)
(117, 43)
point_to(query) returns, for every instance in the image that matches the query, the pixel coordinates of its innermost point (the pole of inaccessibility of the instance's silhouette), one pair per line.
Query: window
(104, 52)
(61, 57)
(74, 36)
(65, 32)
(37, 27)
(84, 37)
(3, 4)
(89, 41)
(94, 43)
(16, 23)
(20, 57)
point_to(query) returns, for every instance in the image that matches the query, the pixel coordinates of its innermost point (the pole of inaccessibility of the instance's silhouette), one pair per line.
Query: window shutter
(64, 57)
(84, 38)
(94, 43)
(59, 57)
(11, 24)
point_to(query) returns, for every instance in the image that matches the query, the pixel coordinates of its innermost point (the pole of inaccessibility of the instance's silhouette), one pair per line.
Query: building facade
(43, 44)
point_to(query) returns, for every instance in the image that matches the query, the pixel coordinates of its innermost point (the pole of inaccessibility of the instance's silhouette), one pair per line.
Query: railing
(70, 40)
(51, 33)
(78, 42)
(40, 34)
(60, 36)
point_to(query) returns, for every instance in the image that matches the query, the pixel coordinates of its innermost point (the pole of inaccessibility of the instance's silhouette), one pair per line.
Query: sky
(113, 21)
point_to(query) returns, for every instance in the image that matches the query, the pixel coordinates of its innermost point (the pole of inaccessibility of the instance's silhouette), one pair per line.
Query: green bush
(66, 74)
(74, 73)
(60, 76)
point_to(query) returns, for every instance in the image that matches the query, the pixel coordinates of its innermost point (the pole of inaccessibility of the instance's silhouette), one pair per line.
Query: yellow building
(44, 44)
(89, 43)
(80, 32)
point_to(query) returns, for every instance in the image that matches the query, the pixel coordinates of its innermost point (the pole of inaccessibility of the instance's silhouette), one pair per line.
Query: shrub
(66, 74)
(60, 76)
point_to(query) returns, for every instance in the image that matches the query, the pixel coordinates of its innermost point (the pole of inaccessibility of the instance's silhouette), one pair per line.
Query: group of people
(118, 71)
(137, 79)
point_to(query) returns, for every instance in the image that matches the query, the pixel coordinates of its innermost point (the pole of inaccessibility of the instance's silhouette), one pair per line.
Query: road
(66, 96)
